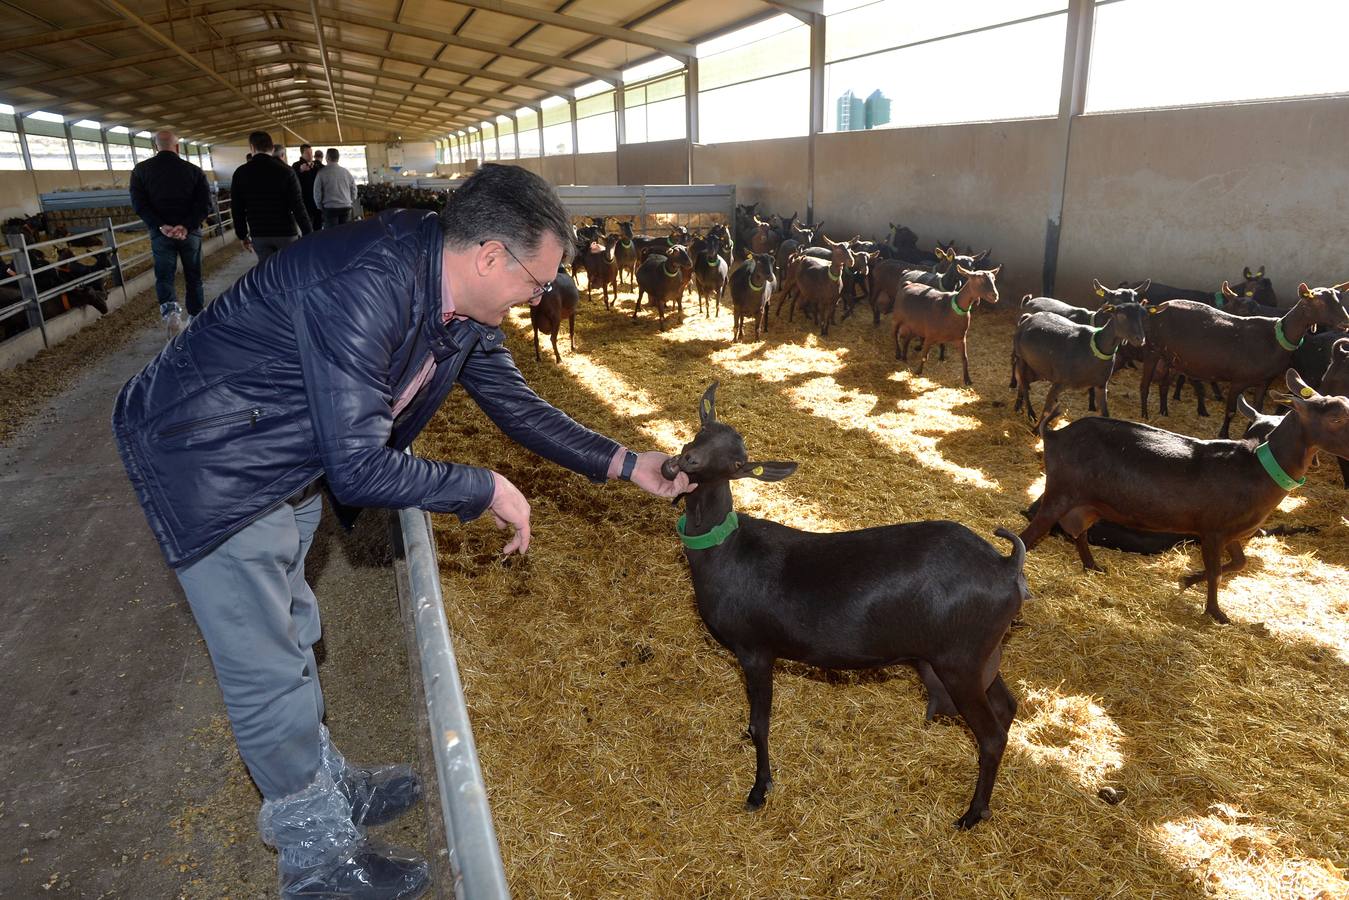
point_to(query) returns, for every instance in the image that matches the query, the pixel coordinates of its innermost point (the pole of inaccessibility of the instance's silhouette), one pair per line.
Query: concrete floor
(120, 773)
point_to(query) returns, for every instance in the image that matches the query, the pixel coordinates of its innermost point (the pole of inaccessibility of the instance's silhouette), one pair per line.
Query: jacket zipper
(251, 415)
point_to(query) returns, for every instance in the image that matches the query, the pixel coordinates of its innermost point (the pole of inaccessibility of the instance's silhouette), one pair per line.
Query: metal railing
(30, 297)
(470, 836)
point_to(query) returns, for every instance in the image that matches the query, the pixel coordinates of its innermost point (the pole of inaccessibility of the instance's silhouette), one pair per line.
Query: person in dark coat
(171, 196)
(269, 211)
(307, 177)
(309, 377)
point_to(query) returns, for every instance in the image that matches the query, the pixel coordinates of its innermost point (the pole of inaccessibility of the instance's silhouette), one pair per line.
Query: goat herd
(37, 229)
(769, 592)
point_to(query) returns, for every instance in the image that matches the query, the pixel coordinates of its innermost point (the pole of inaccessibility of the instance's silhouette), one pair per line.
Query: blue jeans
(166, 253)
(260, 620)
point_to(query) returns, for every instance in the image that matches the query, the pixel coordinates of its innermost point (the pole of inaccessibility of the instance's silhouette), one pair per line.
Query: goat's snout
(671, 467)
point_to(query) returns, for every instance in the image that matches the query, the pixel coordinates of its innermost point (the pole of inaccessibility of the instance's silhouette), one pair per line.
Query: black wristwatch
(629, 463)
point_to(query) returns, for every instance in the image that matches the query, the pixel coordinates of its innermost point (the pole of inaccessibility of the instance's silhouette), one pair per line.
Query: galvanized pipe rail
(470, 835)
(15, 256)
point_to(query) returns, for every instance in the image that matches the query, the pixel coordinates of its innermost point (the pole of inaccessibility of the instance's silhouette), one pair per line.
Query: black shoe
(380, 795)
(372, 871)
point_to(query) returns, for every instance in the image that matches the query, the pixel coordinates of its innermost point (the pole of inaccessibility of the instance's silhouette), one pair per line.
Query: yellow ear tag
(1308, 393)
(1153, 310)
(707, 407)
(758, 470)
(1100, 292)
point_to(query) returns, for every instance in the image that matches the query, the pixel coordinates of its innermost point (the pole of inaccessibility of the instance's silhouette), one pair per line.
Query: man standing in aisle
(334, 192)
(310, 378)
(268, 208)
(307, 177)
(171, 196)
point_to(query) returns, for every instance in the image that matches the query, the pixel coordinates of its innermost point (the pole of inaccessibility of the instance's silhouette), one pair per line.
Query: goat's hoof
(971, 818)
(1218, 616)
(1188, 581)
(755, 801)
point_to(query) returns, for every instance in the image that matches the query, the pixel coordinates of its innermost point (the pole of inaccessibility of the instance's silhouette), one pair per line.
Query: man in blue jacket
(321, 368)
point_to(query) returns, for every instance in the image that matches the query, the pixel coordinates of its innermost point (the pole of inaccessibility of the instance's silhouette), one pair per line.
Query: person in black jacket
(307, 178)
(307, 379)
(171, 197)
(268, 208)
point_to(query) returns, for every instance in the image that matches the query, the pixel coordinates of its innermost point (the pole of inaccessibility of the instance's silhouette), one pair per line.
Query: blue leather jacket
(291, 374)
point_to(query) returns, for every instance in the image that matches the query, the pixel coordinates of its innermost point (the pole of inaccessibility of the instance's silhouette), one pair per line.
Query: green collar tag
(1096, 350)
(1283, 341)
(713, 538)
(832, 276)
(627, 244)
(1281, 478)
(955, 306)
(752, 285)
(669, 274)
(1219, 299)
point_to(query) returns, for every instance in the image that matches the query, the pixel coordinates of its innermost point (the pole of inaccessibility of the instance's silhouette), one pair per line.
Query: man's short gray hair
(165, 139)
(507, 204)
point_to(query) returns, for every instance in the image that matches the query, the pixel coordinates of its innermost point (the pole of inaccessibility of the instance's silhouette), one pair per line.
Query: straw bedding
(612, 727)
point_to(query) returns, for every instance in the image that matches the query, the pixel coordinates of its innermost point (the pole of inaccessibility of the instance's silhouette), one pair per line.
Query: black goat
(1146, 478)
(929, 593)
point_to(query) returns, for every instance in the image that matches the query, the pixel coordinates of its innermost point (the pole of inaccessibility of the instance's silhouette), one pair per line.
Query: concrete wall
(1190, 196)
(597, 168)
(772, 173)
(559, 169)
(659, 162)
(19, 190)
(985, 184)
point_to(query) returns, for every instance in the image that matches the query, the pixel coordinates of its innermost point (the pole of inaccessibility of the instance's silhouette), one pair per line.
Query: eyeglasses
(542, 288)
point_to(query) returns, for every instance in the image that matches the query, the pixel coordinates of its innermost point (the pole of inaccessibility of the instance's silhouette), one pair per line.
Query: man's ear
(765, 471)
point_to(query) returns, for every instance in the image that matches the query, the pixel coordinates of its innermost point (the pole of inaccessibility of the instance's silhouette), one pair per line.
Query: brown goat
(601, 265)
(1154, 480)
(555, 305)
(938, 317)
(661, 285)
(1244, 351)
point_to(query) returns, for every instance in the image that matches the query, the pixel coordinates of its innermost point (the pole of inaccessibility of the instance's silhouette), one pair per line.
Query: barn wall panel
(597, 168)
(772, 173)
(1190, 196)
(984, 184)
(658, 162)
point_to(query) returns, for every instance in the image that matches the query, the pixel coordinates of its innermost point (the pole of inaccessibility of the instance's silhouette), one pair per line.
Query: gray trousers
(260, 620)
(266, 246)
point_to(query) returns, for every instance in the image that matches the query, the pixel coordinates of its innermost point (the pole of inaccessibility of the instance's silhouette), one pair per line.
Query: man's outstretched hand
(646, 475)
(510, 508)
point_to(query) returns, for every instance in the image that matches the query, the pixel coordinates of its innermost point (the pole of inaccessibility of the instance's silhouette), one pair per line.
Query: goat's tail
(1018, 557)
(1017, 562)
(1046, 419)
(1026, 299)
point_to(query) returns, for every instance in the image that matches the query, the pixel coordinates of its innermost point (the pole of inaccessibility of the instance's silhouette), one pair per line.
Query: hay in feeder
(1154, 754)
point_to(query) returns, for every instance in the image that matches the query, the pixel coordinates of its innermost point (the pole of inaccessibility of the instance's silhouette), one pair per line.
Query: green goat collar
(1283, 340)
(1281, 478)
(1219, 300)
(955, 307)
(1095, 351)
(713, 538)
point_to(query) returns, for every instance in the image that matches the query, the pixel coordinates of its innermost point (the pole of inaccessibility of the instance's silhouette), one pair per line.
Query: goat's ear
(1100, 288)
(1260, 273)
(765, 471)
(1246, 273)
(1304, 291)
(1108, 308)
(941, 253)
(961, 270)
(1299, 388)
(980, 257)
(1340, 350)
(707, 409)
(1246, 409)
(1227, 288)
(1337, 288)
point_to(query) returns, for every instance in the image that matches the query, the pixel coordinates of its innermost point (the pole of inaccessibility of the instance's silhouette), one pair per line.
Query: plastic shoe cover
(370, 871)
(166, 310)
(377, 795)
(311, 827)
